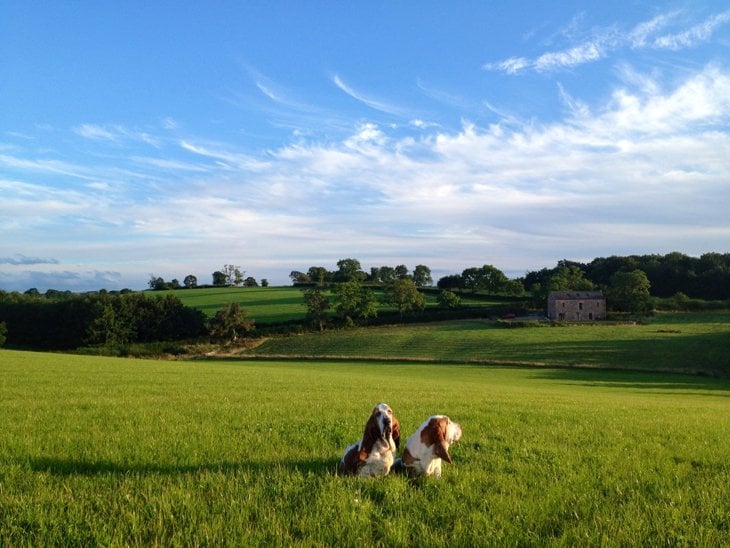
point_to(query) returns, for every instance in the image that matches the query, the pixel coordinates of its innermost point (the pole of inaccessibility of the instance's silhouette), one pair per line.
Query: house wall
(573, 310)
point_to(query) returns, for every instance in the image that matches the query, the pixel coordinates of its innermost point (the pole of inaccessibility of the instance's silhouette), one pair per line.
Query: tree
(486, 278)
(190, 281)
(264, 282)
(404, 296)
(629, 292)
(234, 275)
(448, 299)
(219, 278)
(569, 278)
(250, 282)
(452, 281)
(298, 277)
(318, 274)
(157, 283)
(354, 302)
(349, 270)
(387, 274)
(3, 333)
(401, 271)
(230, 322)
(422, 275)
(317, 306)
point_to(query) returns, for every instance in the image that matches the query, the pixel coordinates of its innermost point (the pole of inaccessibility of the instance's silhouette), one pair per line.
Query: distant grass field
(682, 342)
(103, 451)
(267, 305)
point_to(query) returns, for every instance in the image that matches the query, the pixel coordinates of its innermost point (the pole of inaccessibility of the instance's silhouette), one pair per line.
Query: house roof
(575, 295)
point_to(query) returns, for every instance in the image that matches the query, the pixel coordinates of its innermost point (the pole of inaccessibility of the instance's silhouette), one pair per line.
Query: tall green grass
(132, 452)
(695, 343)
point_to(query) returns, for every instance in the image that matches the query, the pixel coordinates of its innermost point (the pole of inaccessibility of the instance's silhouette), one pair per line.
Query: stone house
(576, 306)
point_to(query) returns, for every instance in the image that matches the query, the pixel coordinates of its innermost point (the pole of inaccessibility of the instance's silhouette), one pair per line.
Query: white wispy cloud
(376, 104)
(226, 157)
(645, 167)
(694, 35)
(604, 41)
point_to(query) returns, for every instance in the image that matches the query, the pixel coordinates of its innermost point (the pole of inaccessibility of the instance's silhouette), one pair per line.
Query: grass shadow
(669, 383)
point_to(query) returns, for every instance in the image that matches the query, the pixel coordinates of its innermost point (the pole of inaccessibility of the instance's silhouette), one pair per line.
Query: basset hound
(429, 445)
(374, 453)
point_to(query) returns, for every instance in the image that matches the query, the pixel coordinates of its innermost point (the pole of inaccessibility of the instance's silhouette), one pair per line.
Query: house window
(580, 306)
(590, 315)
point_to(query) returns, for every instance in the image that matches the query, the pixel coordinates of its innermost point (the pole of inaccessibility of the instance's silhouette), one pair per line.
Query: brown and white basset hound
(429, 445)
(374, 453)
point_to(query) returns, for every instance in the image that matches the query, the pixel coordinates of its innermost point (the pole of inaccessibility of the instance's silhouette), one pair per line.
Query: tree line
(706, 277)
(65, 322)
(229, 276)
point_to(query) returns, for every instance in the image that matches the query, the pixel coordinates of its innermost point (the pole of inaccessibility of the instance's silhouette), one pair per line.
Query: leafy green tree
(234, 275)
(486, 278)
(404, 296)
(190, 281)
(317, 306)
(452, 281)
(3, 333)
(349, 270)
(250, 282)
(387, 274)
(569, 278)
(422, 275)
(219, 278)
(157, 283)
(629, 292)
(230, 322)
(448, 299)
(401, 271)
(318, 274)
(354, 303)
(264, 282)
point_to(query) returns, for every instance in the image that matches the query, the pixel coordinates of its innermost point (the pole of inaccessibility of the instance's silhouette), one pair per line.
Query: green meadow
(267, 305)
(105, 451)
(678, 342)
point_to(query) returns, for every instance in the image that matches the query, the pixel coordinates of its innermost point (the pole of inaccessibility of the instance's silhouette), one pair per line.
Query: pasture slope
(679, 342)
(105, 451)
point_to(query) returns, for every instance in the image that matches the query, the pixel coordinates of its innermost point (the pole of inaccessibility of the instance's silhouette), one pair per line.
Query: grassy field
(681, 342)
(263, 304)
(102, 451)
(269, 305)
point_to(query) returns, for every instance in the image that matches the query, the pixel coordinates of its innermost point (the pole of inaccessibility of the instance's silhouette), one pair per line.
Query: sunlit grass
(116, 452)
(675, 342)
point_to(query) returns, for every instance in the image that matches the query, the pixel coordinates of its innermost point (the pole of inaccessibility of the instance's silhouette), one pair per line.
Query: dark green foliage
(317, 306)
(448, 299)
(230, 322)
(705, 277)
(629, 292)
(3, 333)
(101, 318)
(354, 303)
(404, 296)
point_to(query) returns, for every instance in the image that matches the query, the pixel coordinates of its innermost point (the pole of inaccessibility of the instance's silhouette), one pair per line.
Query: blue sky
(167, 139)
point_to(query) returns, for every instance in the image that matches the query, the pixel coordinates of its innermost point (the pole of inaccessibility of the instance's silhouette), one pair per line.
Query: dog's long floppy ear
(395, 430)
(438, 433)
(370, 435)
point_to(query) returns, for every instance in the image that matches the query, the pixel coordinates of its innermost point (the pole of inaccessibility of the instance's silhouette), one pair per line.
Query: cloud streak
(20, 259)
(367, 100)
(604, 41)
